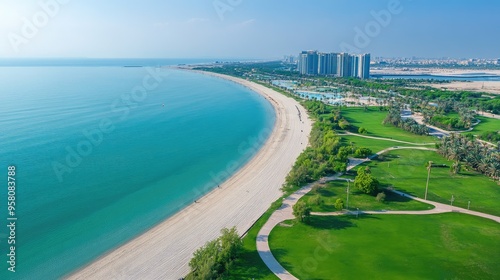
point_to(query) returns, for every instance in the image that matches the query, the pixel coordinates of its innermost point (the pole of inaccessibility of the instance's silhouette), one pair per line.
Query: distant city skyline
(245, 29)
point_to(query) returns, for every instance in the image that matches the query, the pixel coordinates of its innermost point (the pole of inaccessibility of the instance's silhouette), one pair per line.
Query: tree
(362, 153)
(344, 124)
(362, 130)
(339, 204)
(316, 200)
(215, 258)
(365, 181)
(301, 211)
(456, 167)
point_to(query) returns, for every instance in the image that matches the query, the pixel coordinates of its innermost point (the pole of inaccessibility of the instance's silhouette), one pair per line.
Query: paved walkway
(347, 133)
(489, 115)
(285, 212)
(439, 208)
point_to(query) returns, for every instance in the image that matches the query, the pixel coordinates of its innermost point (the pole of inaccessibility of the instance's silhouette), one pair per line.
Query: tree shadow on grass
(394, 197)
(385, 158)
(326, 192)
(412, 193)
(335, 222)
(248, 265)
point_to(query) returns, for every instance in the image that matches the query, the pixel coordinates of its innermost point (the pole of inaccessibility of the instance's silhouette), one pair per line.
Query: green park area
(249, 265)
(323, 197)
(440, 246)
(372, 119)
(406, 170)
(374, 144)
(486, 124)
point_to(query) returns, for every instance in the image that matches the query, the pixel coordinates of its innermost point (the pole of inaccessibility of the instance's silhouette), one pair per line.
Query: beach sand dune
(164, 251)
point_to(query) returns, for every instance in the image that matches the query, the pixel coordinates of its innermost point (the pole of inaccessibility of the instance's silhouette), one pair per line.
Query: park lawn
(486, 124)
(338, 189)
(405, 170)
(249, 265)
(372, 120)
(374, 144)
(439, 246)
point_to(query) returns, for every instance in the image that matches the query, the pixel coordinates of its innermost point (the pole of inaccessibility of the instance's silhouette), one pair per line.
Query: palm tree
(455, 168)
(429, 167)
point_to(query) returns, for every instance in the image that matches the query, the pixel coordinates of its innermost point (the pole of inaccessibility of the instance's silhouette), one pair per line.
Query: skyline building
(334, 64)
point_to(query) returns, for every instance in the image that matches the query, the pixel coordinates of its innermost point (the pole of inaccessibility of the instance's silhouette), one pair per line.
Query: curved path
(164, 251)
(439, 208)
(285, 212)
(347, 133)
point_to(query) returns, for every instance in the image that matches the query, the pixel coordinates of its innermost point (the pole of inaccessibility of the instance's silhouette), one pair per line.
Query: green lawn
(372, 121)
(486, 124)
(249, 265)
(373, 144)
(406, 171)
(444, 246)
(338, 189)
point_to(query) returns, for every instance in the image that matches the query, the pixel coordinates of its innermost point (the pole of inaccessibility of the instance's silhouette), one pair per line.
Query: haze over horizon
(247, 29)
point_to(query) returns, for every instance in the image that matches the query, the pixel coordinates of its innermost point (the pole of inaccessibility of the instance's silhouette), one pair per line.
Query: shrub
(381, 197)
(315, 200)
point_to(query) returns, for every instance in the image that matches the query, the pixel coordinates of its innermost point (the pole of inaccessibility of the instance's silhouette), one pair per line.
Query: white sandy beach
(164, 251)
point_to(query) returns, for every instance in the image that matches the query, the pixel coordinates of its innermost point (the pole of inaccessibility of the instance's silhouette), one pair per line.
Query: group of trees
(439, 116)
(214, 260)
(362, 153)
(394, 118)
(326, 153)
(490, 136)
(448, 123)
(365, 181)
(474, 154)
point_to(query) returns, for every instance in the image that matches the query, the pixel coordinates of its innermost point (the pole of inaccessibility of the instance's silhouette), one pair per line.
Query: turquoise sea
(104, 152)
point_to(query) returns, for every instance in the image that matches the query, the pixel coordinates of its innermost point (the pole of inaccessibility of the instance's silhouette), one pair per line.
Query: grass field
(444, 246)
(406, 171)
(338, 189)
(486, 124)
(249, 265)
(372, 120)
(374, 144)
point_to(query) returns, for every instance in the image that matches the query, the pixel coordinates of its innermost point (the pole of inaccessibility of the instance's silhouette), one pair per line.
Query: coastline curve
(163, 252)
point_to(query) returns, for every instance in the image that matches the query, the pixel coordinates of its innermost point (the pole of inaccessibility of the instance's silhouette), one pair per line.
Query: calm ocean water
(83, 189)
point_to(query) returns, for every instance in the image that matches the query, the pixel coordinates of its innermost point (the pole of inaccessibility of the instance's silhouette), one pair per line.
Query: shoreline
(164, 251)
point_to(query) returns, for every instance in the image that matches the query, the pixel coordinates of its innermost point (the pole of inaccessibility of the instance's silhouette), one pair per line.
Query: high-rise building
(354, 64)
(334, 64)
(327, 64)
(308, 63)
(364, 72)
(302, 63)
(323, 63)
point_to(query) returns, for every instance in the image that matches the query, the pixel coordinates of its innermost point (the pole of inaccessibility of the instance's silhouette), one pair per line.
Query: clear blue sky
(248, 28)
